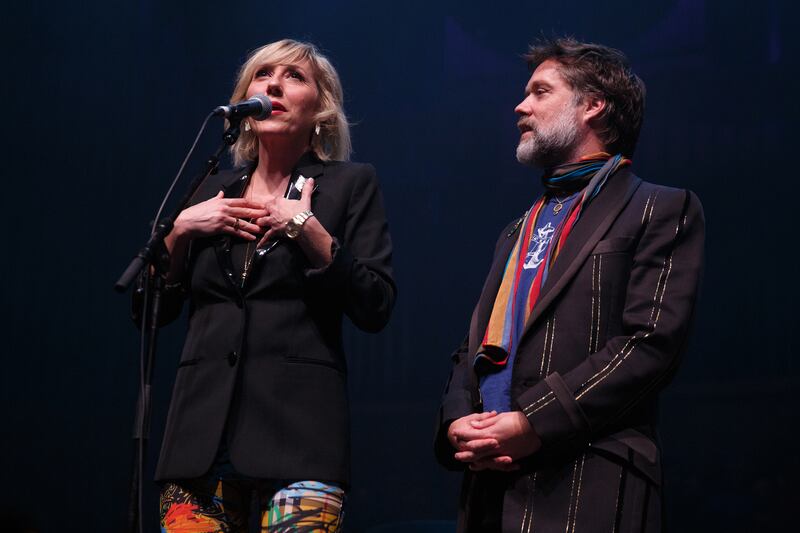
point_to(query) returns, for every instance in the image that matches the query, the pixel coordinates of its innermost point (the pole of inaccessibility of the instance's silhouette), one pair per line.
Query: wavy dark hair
(597, 70)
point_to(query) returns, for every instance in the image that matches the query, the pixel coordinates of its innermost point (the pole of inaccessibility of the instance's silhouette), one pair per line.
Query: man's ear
(593, 107)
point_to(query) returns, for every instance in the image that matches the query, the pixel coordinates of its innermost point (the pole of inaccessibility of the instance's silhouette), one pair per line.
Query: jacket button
(232, 358)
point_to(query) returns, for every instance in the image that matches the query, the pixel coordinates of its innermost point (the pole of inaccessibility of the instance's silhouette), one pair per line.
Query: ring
(236, 225)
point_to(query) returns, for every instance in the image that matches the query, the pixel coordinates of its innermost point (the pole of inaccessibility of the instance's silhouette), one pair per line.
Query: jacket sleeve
(174, 294)
(630, 368)
(360, 274)
(457, 402)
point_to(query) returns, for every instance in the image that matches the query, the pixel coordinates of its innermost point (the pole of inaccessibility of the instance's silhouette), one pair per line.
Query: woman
(259, 410)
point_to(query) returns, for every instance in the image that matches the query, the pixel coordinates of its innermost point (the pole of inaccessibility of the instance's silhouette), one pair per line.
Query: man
(552, 402)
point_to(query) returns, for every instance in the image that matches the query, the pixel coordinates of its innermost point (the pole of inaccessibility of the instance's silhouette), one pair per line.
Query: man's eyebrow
(532, 85)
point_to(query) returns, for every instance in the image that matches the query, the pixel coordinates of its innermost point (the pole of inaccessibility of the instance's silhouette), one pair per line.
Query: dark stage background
(106, 97)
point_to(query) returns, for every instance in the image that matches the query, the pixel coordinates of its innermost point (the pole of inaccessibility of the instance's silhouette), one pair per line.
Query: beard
(551, 145)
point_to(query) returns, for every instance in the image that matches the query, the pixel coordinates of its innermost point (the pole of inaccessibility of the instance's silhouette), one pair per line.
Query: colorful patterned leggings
(223, 506)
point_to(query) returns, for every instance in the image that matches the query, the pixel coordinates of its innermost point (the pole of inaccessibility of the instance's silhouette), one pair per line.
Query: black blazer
(604, 338)
(265, 363)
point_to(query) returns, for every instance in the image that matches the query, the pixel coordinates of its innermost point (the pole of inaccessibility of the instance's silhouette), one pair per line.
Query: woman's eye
(296, 75)
(260, 73)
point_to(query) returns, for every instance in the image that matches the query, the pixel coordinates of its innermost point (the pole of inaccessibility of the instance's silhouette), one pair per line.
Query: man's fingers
(475, 450)
(470, 433)
(485, 421)
(472, 457)
(502, 467)
(479, 445)
(500, 463)
(466, 457)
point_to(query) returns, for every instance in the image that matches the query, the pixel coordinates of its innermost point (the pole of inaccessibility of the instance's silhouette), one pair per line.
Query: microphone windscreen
(266, 106)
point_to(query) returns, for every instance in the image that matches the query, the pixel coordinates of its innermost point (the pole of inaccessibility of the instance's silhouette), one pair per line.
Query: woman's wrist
(180, 232)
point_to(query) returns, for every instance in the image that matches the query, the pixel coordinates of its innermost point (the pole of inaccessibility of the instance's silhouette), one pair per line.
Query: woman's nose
(274, 87)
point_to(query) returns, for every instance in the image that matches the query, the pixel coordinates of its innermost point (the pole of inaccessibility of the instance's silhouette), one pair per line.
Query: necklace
(249, 253)
(559, 206)
(248, 261)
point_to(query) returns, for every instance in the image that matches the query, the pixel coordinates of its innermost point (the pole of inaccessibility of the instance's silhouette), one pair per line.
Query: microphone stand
(152, 262)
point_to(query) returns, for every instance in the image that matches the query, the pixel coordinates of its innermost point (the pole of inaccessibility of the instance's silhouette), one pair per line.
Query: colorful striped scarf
(589, 173)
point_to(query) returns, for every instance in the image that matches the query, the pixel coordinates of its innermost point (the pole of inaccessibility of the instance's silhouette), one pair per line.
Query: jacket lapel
(232, 188)
(308, 167)
(590, 228)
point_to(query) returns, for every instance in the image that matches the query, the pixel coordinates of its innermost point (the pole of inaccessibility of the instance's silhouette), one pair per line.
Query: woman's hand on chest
(220, 215)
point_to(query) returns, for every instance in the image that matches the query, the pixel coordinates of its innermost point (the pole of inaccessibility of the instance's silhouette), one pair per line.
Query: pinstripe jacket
(605, 336)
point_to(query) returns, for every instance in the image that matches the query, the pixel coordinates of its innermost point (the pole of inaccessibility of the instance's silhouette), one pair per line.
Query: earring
(246, 126)
(316, 129)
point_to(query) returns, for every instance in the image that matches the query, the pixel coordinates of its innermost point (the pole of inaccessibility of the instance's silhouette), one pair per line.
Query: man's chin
(526, 153)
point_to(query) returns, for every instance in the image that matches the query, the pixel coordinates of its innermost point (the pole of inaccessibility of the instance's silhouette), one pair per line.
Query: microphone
(257, 106)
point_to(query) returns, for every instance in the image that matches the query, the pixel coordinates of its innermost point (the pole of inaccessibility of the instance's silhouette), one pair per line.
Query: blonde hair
(333, 141)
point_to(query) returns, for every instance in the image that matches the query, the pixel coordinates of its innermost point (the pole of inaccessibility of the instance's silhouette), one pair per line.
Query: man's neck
(590, 145)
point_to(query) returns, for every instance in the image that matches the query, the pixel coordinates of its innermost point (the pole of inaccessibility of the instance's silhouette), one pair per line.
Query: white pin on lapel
(300, 183)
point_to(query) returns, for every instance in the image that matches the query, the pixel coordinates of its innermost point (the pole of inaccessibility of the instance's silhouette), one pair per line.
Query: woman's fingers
(305, 195)
(242, 202)
(246, 212)
(238, 223)
(242, 228)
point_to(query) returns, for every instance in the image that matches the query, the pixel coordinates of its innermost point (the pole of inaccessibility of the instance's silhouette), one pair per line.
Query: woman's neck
(276, 160)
